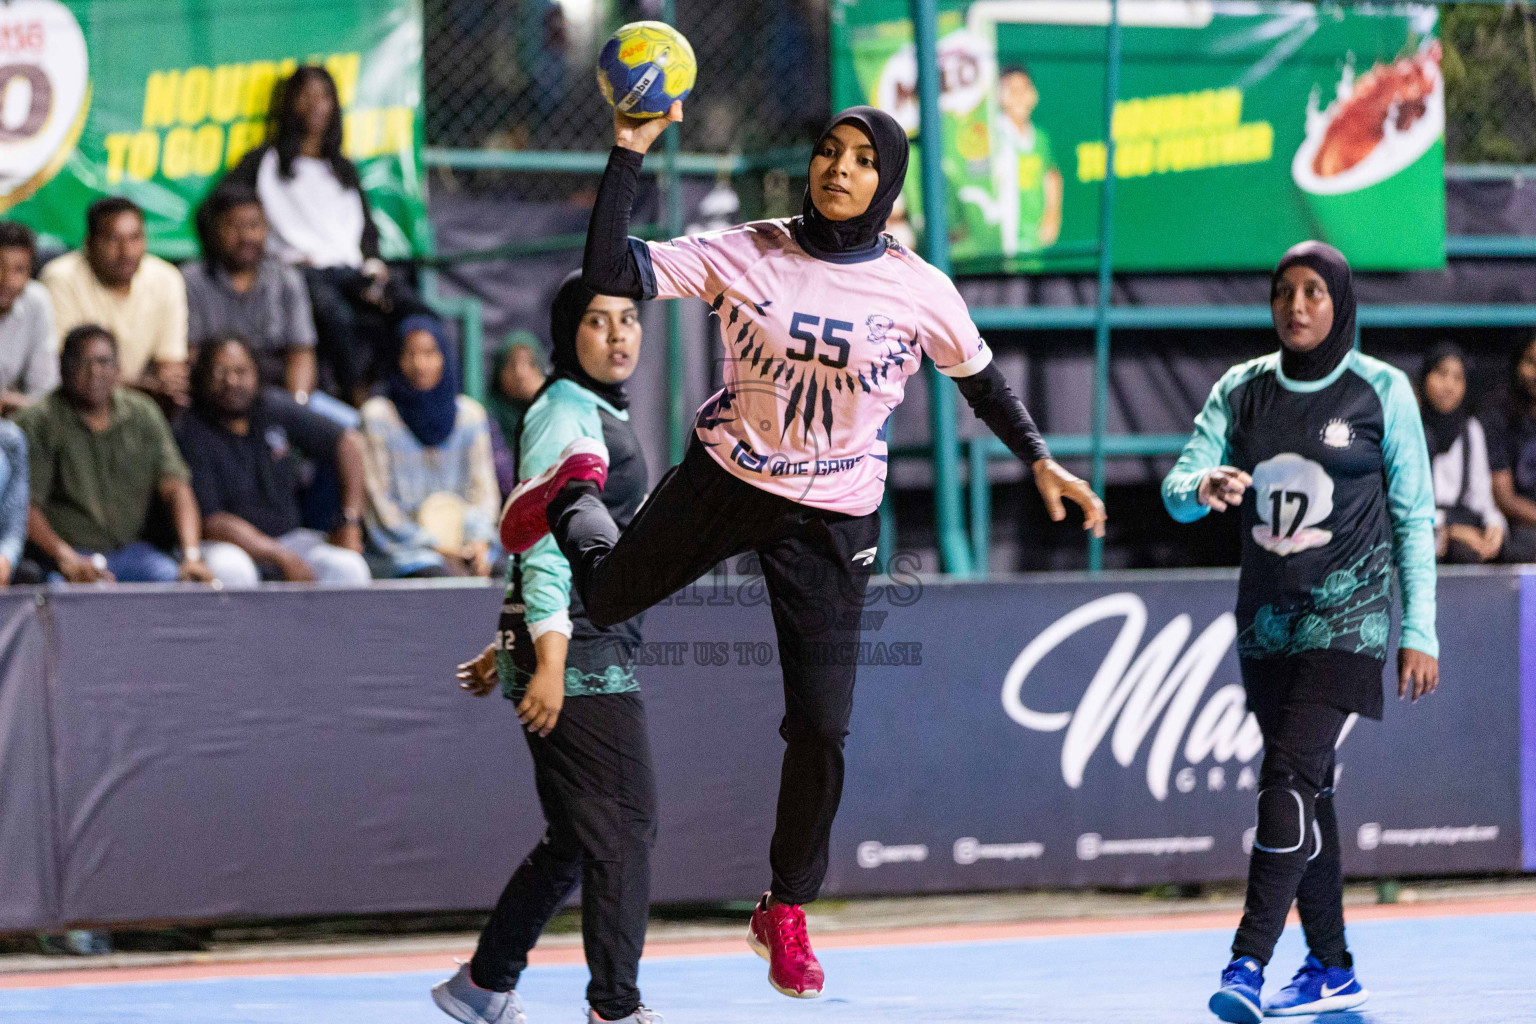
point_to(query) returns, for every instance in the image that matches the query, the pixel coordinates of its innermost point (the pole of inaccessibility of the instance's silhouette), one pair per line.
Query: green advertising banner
(155, 99)
(1240, 129)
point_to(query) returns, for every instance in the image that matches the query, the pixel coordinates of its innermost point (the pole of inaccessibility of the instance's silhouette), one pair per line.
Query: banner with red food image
(1241, 128)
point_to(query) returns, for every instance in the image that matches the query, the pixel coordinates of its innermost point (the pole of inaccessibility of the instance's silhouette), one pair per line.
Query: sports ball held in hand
(645, 67)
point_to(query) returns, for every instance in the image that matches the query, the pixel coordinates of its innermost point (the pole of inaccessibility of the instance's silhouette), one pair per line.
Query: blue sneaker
(1238, 998)
(1317, 989)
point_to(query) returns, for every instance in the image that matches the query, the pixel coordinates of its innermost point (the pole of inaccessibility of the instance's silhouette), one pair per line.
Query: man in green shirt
(99, 456)
(1026, 180)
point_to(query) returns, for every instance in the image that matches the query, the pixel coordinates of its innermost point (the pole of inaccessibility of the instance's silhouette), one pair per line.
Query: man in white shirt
(29, 346)
(114, 282)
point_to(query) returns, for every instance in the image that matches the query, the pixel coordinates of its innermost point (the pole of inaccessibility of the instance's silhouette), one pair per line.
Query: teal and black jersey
(539, 592)
(1341, 495)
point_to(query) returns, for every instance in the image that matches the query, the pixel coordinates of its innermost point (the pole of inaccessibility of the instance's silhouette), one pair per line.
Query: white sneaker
(640, 1016)
(460, 998)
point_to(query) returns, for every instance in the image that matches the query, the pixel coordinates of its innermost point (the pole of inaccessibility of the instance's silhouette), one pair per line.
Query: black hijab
(1441, 429)
(565, 314)
(857, 234)
(1334, 270)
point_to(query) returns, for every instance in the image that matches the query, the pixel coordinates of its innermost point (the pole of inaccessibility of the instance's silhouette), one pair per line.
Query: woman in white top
(320, 222)
(1468, 524)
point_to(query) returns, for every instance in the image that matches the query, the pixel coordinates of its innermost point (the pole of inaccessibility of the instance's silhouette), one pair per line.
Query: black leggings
(815, 565)
(1296, 842)
(598, 792)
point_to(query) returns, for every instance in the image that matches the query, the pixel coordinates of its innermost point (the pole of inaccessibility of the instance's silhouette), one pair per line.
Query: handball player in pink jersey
(824, 318)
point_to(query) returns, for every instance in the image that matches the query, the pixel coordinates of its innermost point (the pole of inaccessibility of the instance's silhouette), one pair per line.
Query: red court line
(403, 962)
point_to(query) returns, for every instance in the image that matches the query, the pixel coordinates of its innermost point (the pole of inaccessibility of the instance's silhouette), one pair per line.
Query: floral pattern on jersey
(1347, 612)
(613, 679)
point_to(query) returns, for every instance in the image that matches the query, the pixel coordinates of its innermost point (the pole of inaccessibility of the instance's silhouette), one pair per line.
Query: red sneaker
(522, 518)
(778, 936)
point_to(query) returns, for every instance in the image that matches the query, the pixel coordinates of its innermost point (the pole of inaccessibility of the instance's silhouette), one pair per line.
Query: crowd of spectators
(1484, 463)
(282, 408)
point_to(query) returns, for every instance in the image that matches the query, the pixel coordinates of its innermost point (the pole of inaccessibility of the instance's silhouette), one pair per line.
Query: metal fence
(1489, 66)
(517, 75)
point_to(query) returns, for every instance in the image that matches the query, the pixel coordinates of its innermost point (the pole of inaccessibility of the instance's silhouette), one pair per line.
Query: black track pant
(1296, 843)
(815, 565)
(593, 773)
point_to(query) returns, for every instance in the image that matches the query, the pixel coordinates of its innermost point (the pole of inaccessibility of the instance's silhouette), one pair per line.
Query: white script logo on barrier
(1131, 690)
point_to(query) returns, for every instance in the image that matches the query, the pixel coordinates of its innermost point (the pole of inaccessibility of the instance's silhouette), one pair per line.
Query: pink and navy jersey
(818, 354)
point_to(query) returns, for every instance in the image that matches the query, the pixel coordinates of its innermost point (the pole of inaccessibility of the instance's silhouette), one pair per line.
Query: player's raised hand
(638, 133)
(477, 677)
(1223, 487)
(1418, 674)
(1055, 483)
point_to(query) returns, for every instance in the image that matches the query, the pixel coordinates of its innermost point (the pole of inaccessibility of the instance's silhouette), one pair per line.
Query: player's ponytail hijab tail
(1333, 268)
(565, 314)
(839, 237)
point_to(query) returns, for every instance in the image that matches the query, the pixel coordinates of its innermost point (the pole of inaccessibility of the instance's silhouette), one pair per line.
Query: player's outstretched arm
(994, 403)
(609, 265)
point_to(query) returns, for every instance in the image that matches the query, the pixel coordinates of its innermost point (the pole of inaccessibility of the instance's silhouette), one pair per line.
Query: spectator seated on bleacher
(245, 445)
(320, 222)
(432, 495)
(239, 288)
(1469, 527)
(99, 456)
(113, 282)
(13, 498)
(1512, 455)
(29, 346)
(517, 374)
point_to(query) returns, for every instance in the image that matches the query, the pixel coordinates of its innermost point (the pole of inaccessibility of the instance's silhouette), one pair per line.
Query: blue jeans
(140, 562)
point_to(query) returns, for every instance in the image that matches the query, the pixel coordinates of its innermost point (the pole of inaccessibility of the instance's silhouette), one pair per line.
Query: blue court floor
(1437, 970)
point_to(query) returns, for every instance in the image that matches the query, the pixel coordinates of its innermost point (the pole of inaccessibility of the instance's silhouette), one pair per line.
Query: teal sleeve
(1411, 506)
(1206, 449)
(560, 416)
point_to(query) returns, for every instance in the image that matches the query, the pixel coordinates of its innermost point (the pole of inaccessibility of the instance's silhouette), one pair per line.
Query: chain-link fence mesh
(518, 75)
(1489, 65)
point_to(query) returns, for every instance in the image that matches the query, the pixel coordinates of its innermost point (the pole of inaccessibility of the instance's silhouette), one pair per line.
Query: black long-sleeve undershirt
(995, 404)
(609, 265)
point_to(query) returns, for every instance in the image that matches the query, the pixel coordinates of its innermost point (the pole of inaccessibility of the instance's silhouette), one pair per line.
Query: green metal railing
(963, 545)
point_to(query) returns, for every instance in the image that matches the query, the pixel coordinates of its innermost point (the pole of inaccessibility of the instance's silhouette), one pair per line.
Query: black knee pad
(1286, 823)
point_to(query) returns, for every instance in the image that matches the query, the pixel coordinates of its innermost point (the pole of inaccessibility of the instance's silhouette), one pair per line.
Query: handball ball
(645, 67)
